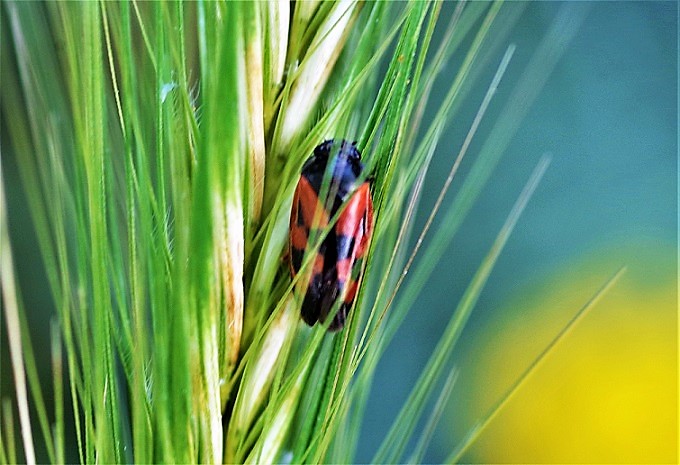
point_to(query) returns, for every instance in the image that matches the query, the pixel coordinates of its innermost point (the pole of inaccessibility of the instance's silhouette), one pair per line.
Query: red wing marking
(344, 269)
(308, 201)
(355, 209)
(356, 222)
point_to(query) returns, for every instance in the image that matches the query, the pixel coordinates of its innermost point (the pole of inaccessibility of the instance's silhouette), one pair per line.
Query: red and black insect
(335, 272)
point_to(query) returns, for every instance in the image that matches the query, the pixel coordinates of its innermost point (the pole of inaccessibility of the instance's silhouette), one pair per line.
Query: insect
(336, 269)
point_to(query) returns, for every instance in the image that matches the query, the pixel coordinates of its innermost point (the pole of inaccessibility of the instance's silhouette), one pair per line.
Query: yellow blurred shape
(608, 393)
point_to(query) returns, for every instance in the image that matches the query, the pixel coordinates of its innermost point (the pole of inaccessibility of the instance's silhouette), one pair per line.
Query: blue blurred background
(608, 117)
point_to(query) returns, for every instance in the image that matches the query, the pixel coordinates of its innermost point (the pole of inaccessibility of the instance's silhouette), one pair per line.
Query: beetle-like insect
(337, 266)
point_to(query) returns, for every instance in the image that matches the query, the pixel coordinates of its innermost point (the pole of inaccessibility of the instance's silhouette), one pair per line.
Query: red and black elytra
(335, 272)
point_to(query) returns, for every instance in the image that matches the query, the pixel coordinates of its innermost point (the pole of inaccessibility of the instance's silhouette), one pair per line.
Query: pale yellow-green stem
(227, 225)
(255, 105)
(259, 374)
(304, 12)
(271, 440)
(207, 394)
(310, 79)
(277, 20)
(11, 310)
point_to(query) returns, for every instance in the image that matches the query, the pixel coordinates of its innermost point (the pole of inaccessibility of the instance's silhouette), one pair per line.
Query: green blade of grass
(44, 177)
(534, 77)
(425, 154)
(24, 36)
(481, 425)
(384, 337)
(435, 415)
(11, 310)
(59, 437)
(393, 444)
(8, 449)
(545, 58)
